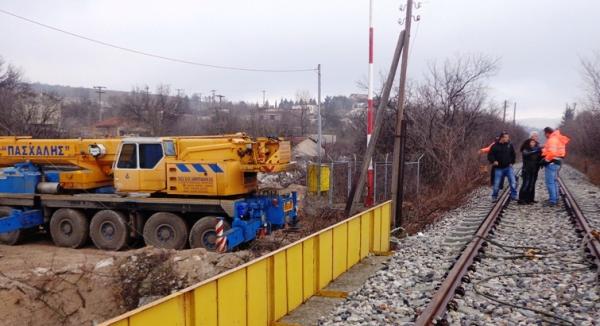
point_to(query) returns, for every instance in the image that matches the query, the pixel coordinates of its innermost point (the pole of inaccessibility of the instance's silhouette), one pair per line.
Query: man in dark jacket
(502, 157)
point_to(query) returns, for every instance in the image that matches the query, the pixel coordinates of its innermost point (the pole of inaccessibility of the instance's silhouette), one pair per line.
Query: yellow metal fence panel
(353, 242)
(325, 259)
(124, 322)
(258, 299)
(231, 299)
(294, 276)
(168, 313)
(377, 230)
(309, 272)
(267, 288)
(279, 285)
(205, 305)
(340, 249)
(386, 212)
(365, 234)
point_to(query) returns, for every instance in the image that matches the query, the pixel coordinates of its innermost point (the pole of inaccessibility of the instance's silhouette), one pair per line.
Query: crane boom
(92, 157)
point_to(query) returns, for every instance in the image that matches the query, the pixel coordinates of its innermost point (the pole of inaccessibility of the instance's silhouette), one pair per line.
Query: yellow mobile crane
(113, 190)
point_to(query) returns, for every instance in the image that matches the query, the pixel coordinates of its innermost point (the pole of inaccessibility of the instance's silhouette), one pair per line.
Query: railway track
(491, 264)
(525, 265)
(398, 292)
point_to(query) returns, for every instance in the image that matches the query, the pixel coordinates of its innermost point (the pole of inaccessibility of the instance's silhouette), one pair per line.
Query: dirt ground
(41, 284)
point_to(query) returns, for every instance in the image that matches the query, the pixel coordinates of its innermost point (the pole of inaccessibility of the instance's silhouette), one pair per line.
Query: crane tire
(109, 230)
(13, 237)
(166, 230)
(69, 228)
(203, 234)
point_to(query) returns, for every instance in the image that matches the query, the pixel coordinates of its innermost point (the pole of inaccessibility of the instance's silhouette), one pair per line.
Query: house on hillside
(326, 139)
(359, 101)
(270, 114)
(115, 127)
(307, 149)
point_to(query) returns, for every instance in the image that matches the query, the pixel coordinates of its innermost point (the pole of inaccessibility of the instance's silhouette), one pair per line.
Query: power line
(148, 54)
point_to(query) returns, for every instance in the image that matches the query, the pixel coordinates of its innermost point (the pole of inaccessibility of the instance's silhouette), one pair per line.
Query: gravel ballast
(533, 271)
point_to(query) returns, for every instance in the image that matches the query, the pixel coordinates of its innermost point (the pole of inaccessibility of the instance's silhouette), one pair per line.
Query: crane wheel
(13, 237)
(165, 230)
(203, 234)
(109, 230)
(69, 228)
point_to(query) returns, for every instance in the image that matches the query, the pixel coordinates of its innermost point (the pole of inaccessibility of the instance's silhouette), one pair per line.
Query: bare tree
(24, 112)
(157, 113)
(303, 114)
(591, 79)
(583, 126)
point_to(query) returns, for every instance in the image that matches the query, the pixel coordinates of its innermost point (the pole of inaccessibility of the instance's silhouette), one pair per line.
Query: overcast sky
(538, 42)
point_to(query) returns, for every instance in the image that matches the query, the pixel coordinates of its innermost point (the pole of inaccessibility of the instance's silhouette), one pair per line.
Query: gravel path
(586, 194)
(563, 289)
(396, 293)
(534, 270)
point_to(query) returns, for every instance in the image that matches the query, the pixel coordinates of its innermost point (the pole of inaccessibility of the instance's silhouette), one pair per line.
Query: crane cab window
(150, 155)
(128, 157)
(169, 148)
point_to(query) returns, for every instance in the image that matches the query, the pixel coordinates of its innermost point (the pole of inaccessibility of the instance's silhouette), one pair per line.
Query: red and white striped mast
(370, 112)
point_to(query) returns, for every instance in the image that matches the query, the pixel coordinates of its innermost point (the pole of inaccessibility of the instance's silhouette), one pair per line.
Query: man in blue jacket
(502, 156)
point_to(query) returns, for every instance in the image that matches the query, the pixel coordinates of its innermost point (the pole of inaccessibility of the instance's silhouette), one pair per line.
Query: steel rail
(439, 302)
(593, 243)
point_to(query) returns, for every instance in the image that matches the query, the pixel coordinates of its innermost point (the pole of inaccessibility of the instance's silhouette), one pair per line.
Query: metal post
(385, 183)
(374, 199)
(349, 179)
(331, 184)
(319, 140)
(419, 173)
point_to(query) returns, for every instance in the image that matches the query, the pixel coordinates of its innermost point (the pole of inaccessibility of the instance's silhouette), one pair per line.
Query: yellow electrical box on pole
(313, 176)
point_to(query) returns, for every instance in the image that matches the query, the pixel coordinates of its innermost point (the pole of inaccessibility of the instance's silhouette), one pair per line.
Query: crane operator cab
(140, 164)
(225, 165)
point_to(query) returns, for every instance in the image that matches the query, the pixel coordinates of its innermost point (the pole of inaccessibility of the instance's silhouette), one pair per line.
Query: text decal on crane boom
(27, 150)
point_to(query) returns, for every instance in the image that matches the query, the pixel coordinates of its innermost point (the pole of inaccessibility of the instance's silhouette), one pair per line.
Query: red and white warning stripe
(370, 110)
(221, 239)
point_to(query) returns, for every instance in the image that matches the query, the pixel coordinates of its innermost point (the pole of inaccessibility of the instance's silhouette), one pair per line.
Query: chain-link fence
(342, 174)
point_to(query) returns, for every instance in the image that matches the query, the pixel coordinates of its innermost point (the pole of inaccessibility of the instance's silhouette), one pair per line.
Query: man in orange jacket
(554, 152)
(485, 151)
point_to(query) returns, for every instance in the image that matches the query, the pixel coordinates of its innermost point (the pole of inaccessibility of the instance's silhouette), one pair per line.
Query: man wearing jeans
(553, 152)
(502, 157)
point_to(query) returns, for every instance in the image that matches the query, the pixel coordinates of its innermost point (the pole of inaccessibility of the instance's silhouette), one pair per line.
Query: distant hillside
(540, 123)
(69, 92)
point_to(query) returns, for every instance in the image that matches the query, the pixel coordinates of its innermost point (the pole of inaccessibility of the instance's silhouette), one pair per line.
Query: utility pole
(398, 162)
(213, 91)
(357, 186)
(515, 114)
(504, 116)
(99, 90)
(319, 136)
(180, 92)
(264, 97)
(369, 200)
(220, 100)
